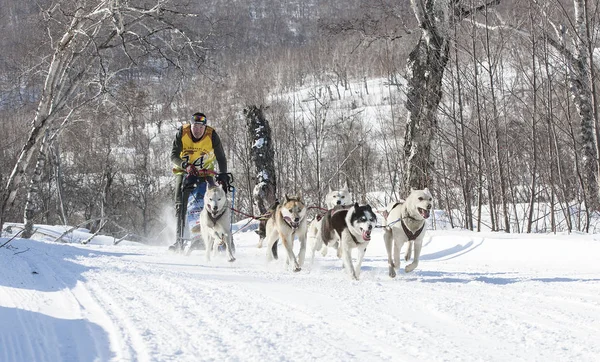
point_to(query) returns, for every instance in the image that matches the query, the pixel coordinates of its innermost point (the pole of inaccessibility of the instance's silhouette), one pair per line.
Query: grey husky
(287, 222)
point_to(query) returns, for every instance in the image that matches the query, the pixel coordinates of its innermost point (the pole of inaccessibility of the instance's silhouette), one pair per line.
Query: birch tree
(93, 44)
(426, 65)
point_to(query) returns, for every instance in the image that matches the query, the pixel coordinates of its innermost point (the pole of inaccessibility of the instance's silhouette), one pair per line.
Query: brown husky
(287, 222)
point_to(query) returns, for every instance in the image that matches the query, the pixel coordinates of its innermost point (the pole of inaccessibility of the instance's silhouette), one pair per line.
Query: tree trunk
(583, 99)
(58, 176)
(534, 148)
(426, 64)
(259, 132)
(30, 204)
(43, 116)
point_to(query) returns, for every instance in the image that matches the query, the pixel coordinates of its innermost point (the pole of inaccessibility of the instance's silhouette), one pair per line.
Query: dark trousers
(183, 190)
(180, 206)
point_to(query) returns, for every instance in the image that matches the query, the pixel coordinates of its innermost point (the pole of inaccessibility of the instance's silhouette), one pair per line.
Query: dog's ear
(345, 185)
(356, 205)
(286, 198)
(329, 187)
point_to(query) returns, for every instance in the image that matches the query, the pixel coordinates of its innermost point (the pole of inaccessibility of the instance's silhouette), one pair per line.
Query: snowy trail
(474, 297)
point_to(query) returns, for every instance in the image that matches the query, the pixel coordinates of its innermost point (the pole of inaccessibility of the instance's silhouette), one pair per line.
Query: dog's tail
(274, 251)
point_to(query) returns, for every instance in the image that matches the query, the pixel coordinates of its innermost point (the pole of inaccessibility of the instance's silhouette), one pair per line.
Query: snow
(474, 297)
(259, 143)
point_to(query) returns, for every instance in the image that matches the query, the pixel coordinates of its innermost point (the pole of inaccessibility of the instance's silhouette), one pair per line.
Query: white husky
(405, 221)
(341, 197)
(334, 198)
(215, 221)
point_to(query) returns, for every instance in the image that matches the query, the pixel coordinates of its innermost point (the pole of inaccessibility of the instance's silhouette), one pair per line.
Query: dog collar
(409, 234)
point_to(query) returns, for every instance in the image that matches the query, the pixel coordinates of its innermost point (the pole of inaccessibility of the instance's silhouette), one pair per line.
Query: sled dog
(334, 198)
(405, 221)
(340, 197)
(287, 222)
(215, 221)
(346, 229)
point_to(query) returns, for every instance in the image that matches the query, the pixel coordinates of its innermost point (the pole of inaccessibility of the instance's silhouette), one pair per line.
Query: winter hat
(198, 117)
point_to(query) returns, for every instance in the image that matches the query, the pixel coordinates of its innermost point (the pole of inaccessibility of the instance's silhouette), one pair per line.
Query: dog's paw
(410, 267)
(297, 269)
(392, 272)
(231, 260)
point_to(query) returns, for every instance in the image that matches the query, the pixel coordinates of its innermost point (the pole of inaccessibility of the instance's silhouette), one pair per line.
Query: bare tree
(426, 66)
(93, 44)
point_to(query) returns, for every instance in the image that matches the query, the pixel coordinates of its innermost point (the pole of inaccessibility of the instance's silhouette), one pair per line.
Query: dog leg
(324, 249)
(347, 259)
(389, 239)
(398, 243)
(302, 251)
(272, 245)
(289, 247)
(229, 244)
(361, 255)
(408, 251)
(410, 267)
(209, 246)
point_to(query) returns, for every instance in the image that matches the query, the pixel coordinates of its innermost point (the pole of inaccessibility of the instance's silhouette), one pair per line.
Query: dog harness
(215, 219)
(409, 234)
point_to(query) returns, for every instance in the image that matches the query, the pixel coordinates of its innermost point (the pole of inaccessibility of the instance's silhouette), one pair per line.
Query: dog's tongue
(366, 234)
(424, 213)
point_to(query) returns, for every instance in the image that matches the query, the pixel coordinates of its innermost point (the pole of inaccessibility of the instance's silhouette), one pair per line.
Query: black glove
(223, 179)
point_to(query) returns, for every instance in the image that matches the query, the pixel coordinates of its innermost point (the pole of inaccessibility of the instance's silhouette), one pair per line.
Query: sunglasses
(199, 119)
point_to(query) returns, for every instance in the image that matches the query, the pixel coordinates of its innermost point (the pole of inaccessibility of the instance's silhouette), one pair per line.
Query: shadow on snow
(32, 336)
(45, 266)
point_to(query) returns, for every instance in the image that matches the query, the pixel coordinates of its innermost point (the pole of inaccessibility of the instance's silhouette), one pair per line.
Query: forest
(491, 104)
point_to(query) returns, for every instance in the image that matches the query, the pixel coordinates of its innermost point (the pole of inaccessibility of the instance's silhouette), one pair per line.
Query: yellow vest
(200, 153)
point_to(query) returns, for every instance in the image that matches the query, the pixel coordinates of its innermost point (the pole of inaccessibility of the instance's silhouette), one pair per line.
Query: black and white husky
(347, 229)
(333, 199)
(405, 221)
